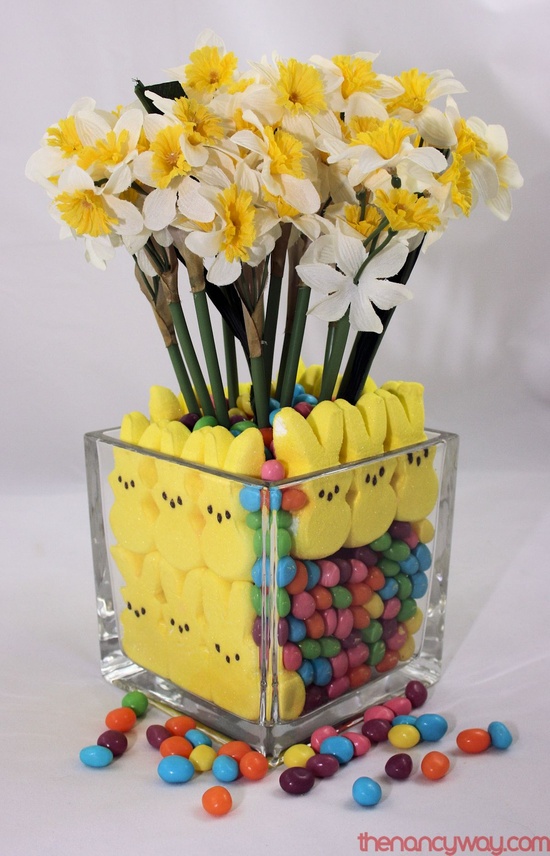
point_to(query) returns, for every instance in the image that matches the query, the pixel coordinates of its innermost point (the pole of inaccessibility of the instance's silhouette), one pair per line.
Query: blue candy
(272, 415)
(225, 768)
(420, 585)
(96, 756)
(322, 671)
(313, 574)
(175, 769)
(339, 746)
(256, 573)
(306, 672)
(423, 556)
(366, 791)
(410, 565)
(286, 571)
(275, 498)
(404, 719)
(500, 735)
(197, 738)
(297, 629)
(389, 590)
(432, 726)
(249, 498)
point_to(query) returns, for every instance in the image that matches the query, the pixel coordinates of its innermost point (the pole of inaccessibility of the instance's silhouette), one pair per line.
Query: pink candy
(359, 571)
(320, 734)
(378, 711)
(361, 744)
(392, 608)
(401, 706)
(273, 471)
(338, 687)
(330, 573)
(292, 657)
(303, 605)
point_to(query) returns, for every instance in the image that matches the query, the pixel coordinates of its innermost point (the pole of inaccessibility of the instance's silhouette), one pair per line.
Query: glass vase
(266, 609)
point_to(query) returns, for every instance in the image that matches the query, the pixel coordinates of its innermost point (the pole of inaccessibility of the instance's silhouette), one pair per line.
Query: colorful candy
(296, 780)
(297, 755)
(404, 736)
(121, 719)
(137, 701)
(225, 768)
(116, 741)
(96, 756)
(366, 791)
(416, 692)
(175, 770)
(435, 765)
(254, 766)
(323, 766)
(432, 726)
(399, 766)
(217, 801)
(339, 746)
(473, 740)
(501, 737)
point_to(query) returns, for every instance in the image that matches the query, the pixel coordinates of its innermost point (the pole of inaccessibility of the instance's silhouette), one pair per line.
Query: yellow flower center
(368, 224)
(285, 152)
(110, 151)
(168, 159)
(458, 176)
(201, 125)
(85, 212)
(386, 137)
(239, 232)
(468, 142)
(208, 70)
(406, 210)
(65, 137)
(415, 97)
(300, 88)
(358, 75)
(282, 207)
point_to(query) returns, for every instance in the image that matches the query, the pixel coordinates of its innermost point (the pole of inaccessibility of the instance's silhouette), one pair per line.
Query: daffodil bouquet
(311, 184)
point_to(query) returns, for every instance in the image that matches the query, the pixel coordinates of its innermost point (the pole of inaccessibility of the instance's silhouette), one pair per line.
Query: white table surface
(54, 702)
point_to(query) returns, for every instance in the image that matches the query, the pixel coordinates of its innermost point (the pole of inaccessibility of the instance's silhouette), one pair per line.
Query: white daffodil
(353, 87)
(106, 145)
(415, 106)
(60, 146)
(96, 213)
(507, 169)
(358, 283)
(210, 70)
(473, 150)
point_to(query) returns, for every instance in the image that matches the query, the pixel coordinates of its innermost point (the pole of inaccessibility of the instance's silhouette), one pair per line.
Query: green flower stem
(374, 252)
(183, 379)
(331, 369)
(289, 370)
(261, 398)
(184, 337)
(270, 327)
(230, 365)
(212, 364)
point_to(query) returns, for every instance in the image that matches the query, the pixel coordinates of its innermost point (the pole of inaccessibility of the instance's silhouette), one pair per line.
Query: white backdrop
(78, 346)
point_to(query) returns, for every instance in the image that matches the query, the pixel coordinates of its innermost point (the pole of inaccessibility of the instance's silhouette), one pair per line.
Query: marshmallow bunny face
(321, 527)
(133, 513)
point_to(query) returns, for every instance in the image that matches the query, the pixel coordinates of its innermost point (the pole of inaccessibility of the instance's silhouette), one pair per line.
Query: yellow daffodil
(414, 105)
(405, 210)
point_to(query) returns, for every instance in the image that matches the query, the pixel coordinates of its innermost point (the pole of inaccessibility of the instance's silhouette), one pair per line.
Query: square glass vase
(266, 609)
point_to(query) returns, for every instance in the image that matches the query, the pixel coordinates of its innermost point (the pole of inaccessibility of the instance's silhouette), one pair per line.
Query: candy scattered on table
(297, 780)
(96, 756)
(399, 766)
(501, 737)
(366, 791)
(435, 765)
(473, 740)
(217, 801)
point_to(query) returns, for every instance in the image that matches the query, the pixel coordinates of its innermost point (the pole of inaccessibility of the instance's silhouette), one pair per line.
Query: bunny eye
(143, 610)
(210, 509)
(173, 622)
(217, 647)
(132, 483)
(321, 494)
(237, 657)
(336, 488)
(120, 479)
(179, 500)
(228, 515)
(426, 453)
(410, 457)
(129, 605)
(367, 478)
(164, 495)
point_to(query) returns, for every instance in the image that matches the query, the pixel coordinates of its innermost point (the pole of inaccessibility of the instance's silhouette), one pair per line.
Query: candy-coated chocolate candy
(410, 566)
(382, 543)
(176, 745)
(180, 725)
(297, 755)
(423, 556)
(361, 593)
(361, 618)
(392, 606)
(322, 597)
(341, 597)
(359, 676)
(432, 726)
(310, 649)
(96, 756)
(282, 631)
(121, 719)
(205, 421)
(416, 692)
(250, 498)
(420, 585)
(175, 769)
(404, 586)
(365, 791)
(254, 765)
(399, 766)
(389, 661)
(323, 766)
(330, 573)
(400, 705)
(322, 671)
(284, 604)
(300, 580)
(292, 657)
(202, 757)
(137, 701)
(225, 768)
(358, 655)
(293, 499)
(344, 623)
(378, 711)
(296, 629)
(366, 555)
(389, 568)
(345, 569)
(501, 737)
(321, 734)
(315, 626)
(375, 606)
(376, 730)
(415, 623)
(389, 627)
(116, 741)
(303, 605)
(339, 746)
(190, 420)
(399, 638)
(361, 744)
(377, 651)
(197, 738)
(330, 646)
(373, 632)
(286, 571)
(375, 578)
(217, 801)
(306, 672)
(313, 574)
(359, 571)
(315, 696)
(330, 620)
(235, 749)
(338, 687)
(273, 471)
(435, 765)
(308, 399)
(303, 408)
(404, 719)
(400, 529)
(403, 736)
(473, 740)
(408, 609)
(296, 780)
(156, 734)
(398, 551)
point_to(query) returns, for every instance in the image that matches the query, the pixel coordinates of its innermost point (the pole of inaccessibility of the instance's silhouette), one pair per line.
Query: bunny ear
(295, 443)
(246, 454)
(216, 447)
(311, 379)
(240, 610)
(163, 405)
(404, 403)
(173, 438)
(373, 413)
(133, 426)
(150, 574)
(150, 439)
(171, 580)
(356, 443)
(129, 564)
(327, 422)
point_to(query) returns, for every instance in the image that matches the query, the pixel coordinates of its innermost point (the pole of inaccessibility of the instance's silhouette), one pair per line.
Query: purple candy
(315, 697)
(189, 420)
(345, 570)
(156, 734)
(389, 627)
(399, 766)
(376, 730)
(416, 692)
(257, 630)
(116, 741)
(296, 780)
(400, 530)
(352, 640)
(366, 555)
(282, 631)
(322, 766)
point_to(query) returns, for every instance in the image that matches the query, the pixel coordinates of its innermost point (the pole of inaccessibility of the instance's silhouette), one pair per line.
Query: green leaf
(171, 90)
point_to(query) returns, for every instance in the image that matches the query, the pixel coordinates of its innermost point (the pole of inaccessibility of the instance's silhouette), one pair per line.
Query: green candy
(372, 633)
(382, 543)
(283, 602)
(404, 586)
(242, 426)
(398, 551)
(330, 646)
(408, 609)
(341, 597)
(284, 543)
(256, 597)
(310, 648)
(204, 422)
(254, 520)
(284, 519)
(377, 651)
(137, 701)
(388, 567)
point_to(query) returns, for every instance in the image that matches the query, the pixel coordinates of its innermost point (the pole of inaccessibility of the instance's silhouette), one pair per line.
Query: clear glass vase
(267, 609)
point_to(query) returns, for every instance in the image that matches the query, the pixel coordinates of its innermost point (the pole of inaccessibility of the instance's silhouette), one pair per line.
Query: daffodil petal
(321, 277)
(435, 128)
(301, 194)
(387, 294)
(362, 315)
(223, 272)
(204, 244)
(386, 263)
(159, 208)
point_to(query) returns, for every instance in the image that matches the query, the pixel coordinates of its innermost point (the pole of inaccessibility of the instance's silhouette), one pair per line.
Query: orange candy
(293, 499)
(322, 597)
(176, 745)
(315, 626)
(235, 749)
(389, 661)
(180, 725)
(359, 675)
(473, 740)
(217, 801)
(254, 765)
(375, 579)
(435, 765)
(299, 583)
(361, 593)
(361, 618)
(121, 719)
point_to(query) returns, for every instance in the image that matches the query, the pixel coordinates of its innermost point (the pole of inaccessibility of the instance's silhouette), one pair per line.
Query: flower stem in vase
(294, 286)
(278, 257)
(254, 322)
(289, 372)
(230, 364)
(339, 337)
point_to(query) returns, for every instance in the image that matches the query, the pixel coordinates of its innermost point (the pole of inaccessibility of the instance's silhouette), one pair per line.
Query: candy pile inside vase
(197, 538)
